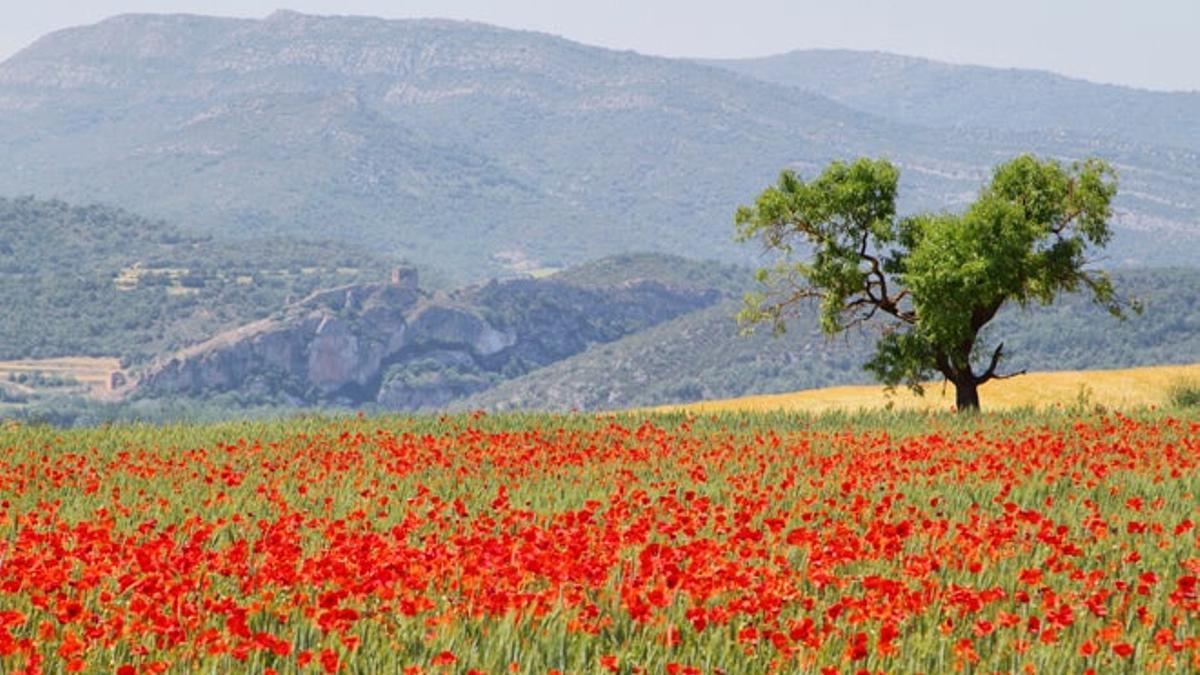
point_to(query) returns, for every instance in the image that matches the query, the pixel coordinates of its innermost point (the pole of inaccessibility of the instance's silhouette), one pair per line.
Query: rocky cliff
(392, 344)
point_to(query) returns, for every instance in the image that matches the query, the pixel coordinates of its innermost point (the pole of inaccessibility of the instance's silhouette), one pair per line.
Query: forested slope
(100, 281)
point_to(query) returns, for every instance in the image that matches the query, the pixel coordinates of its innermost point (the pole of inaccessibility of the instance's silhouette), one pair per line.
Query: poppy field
(1056, 543)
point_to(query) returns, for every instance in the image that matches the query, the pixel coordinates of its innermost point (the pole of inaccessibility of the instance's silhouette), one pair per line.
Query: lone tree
(933, 280)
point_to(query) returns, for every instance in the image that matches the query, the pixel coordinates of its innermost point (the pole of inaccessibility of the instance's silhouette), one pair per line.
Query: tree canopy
(931, 281)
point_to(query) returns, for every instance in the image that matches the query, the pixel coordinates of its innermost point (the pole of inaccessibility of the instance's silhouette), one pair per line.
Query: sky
(1144, 43)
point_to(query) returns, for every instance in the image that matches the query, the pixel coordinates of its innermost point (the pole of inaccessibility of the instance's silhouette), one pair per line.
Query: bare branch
(1008, 375)
(990, 373)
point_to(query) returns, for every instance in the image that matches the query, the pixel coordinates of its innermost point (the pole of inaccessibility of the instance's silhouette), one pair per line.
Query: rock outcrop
(394, 345)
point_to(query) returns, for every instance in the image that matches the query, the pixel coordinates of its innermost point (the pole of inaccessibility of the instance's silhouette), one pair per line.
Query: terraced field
(25, 380)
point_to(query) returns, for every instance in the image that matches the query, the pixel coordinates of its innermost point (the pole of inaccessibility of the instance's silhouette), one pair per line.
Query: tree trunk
(966, 394)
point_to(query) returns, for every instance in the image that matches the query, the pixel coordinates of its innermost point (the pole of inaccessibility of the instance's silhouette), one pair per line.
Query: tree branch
(884, 302)
(990, 373)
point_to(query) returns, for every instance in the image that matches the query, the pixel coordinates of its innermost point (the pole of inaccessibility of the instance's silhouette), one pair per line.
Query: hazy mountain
(931, 93)
(477, 149)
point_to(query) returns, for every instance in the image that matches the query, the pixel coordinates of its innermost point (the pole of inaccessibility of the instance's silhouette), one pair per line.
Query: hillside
(629, 331)
(98, 281)
(935, 94)
(412, 137)
(702, 355)
(396, 346)
(1122, 389)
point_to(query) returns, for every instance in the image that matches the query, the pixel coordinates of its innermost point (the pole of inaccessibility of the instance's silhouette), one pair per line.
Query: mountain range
(481, 151)
(235, 208)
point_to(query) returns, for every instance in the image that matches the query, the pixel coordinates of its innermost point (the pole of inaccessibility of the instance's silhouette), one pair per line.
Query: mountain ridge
(413, 136)
(965, 65)
(937, 93)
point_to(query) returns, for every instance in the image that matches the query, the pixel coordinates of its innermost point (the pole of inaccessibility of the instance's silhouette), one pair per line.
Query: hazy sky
(1146, 43)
